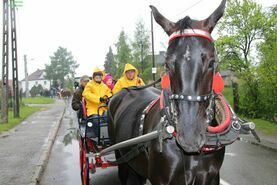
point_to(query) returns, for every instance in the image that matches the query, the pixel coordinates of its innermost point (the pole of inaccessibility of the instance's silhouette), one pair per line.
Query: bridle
(191, 98)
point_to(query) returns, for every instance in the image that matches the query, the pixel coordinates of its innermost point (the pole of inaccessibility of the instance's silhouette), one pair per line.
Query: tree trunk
(235, 96)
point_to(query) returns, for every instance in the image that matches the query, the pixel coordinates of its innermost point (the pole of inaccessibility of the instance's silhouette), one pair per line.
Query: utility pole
(26, 77)
(141, 54)
(5, 64)
(14, 61)
(154, 69)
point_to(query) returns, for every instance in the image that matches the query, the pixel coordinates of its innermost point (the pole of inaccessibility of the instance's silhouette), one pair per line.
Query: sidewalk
(267, 141)
(23, 149)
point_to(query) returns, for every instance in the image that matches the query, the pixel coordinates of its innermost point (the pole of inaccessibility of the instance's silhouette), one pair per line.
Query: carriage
(93, 138)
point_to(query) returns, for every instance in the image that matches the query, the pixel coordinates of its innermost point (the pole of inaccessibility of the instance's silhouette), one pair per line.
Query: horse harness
(217, 137)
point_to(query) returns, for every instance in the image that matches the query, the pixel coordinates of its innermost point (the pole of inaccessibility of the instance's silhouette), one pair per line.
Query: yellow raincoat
(92, 93)
(125, 82)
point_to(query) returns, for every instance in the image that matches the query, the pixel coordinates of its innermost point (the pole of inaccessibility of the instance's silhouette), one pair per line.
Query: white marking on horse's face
(187, 54)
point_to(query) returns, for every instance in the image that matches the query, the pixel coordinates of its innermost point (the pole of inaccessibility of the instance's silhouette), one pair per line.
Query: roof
(225, 73)
(37, 75)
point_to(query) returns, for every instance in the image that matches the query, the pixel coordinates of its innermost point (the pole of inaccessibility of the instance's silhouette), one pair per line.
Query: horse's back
(125, 110)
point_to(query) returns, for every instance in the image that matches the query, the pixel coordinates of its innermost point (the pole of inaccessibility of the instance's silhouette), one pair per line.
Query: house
(35, 79)
(160, 58)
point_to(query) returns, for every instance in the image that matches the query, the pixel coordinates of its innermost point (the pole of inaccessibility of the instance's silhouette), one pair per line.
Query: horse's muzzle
(191, 145)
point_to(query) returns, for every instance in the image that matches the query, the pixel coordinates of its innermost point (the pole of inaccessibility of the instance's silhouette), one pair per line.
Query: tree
(36, 90)
(62, 65)
(123, 53)
(109, 64)
(141, 50)
(267, 70)
(241, 27)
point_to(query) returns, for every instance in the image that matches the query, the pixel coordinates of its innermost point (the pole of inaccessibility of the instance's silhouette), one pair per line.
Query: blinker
(218, 83)
(165, 81)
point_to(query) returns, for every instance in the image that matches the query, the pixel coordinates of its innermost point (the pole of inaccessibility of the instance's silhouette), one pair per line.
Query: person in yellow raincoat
(129, 78)
(96, 93)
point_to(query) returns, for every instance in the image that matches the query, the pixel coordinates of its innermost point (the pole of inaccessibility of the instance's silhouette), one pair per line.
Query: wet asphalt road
(244, 164)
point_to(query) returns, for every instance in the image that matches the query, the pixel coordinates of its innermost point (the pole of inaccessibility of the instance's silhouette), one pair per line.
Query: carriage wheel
(81, 157)
(85, 167)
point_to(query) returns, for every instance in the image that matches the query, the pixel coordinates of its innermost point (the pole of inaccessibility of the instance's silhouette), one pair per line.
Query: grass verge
(266, 127)
(38, 100)
(25, 111)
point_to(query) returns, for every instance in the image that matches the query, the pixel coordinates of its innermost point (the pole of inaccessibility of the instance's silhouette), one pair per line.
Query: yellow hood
(130, 67)
(97, 70)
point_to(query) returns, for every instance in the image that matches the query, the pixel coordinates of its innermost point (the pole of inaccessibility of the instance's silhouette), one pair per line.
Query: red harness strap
(228, 118)
(191, 33)
(152, 104)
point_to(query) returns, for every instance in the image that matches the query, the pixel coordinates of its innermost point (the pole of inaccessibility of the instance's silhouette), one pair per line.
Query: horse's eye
(211, 63)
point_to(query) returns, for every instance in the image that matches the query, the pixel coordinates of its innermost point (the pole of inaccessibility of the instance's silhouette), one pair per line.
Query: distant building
(35, 79)
(160, 58)
(227, 76)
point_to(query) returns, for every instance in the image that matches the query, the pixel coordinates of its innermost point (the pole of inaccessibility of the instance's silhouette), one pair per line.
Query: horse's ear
(211, 21)
(168, 26)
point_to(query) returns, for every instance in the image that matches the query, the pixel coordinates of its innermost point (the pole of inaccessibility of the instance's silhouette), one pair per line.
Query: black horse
(190, 64)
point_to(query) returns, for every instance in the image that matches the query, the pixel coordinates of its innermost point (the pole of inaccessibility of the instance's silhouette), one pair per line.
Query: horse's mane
(184, 23)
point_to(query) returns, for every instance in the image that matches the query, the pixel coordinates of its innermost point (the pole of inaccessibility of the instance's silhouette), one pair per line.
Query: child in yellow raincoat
(96, 93)
(129, 78)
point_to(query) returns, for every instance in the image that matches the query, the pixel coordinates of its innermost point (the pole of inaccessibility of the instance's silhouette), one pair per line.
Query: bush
(36, 90)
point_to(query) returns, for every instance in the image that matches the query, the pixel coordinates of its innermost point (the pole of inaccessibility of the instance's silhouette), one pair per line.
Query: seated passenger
(109, 81)
(129, 78)
(96, 93)
(77, 96)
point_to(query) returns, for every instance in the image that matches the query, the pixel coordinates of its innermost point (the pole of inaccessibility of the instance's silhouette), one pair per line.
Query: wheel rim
(85, 168)
(81, 157)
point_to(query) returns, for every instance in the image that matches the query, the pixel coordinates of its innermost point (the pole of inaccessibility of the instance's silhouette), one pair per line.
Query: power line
(177, 15)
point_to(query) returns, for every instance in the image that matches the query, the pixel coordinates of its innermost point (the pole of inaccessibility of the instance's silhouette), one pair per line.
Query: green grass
(25, 111)
(38, 100)
(266, 127)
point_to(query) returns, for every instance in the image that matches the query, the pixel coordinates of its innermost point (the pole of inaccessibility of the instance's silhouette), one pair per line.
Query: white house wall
(44, 83)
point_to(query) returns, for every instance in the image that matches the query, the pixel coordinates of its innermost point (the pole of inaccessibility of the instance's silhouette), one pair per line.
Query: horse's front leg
(204, 169)
(166, 168)
(204, 178)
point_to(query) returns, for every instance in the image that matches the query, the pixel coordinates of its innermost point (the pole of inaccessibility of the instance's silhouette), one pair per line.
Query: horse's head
(190, 63)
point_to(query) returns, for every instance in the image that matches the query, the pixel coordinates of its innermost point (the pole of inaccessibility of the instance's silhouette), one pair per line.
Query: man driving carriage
(96, 95)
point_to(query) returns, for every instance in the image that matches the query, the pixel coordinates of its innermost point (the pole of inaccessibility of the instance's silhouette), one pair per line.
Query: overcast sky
(87, 27)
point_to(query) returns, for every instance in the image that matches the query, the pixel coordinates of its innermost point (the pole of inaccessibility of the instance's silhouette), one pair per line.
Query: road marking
(223, 182)
(231, 154)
